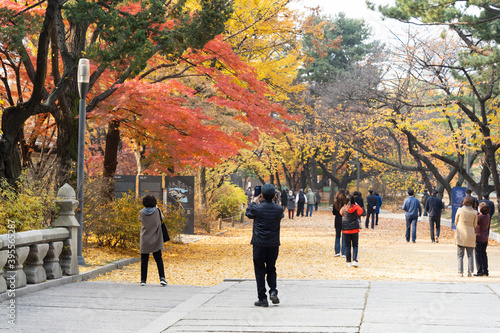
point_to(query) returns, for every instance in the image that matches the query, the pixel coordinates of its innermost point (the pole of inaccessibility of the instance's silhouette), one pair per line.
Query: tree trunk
(111, 150)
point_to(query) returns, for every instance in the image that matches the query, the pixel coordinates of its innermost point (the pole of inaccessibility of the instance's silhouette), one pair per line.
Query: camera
(257, 191)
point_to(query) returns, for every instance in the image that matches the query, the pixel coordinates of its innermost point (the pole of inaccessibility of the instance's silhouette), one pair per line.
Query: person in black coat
(338, 203)
(434, 206)
(266, 218)
(371, 208)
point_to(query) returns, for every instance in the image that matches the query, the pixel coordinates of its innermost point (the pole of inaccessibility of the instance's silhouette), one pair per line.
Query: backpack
(302, 197)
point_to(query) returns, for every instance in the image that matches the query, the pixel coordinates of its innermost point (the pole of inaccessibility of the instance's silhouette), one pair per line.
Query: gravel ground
(307, 253)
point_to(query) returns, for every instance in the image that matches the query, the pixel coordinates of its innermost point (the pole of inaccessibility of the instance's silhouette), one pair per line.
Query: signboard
(151, 185)
(123, 185)
(180, 192)
(458, 196)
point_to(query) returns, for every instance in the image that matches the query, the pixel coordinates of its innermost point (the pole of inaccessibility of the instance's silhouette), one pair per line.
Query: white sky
(357, 9)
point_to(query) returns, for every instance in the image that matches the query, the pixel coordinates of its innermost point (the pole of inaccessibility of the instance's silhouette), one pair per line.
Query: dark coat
(338, 218)
(266, 223)
(483, 225)
(359, 201)
(491, 204)
(371, 202)
(434, 206)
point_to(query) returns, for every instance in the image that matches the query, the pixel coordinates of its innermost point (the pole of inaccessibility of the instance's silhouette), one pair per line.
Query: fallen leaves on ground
(307, 252)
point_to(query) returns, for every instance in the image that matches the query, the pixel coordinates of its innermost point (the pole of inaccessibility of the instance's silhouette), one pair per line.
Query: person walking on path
(151, 238)
(465, 235)
(371, 208)
(300, 200)
(424, 201)
(482, 233)
(249, 194)
(318, 200)
(359, 200)
(266, 218)
(351, 212)
(284, 198)
(413, 210)
(277, 196)
(290, 205)
(434, 206)
(311, 200)
(338, 203)
(379, 204)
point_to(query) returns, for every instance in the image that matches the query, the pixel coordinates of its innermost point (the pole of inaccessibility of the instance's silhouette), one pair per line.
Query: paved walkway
(306, 306)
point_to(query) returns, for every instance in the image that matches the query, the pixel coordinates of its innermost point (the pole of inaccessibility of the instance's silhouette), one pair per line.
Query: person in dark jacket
(482, 235)
(266, 218)
(359, 200)
(350, 228)
(284, 198)
(486, 198)
(371, 208)
(318, 200)
(434, 206)
(468, 193)
(300, 201)
(424, 200)
(338, 203)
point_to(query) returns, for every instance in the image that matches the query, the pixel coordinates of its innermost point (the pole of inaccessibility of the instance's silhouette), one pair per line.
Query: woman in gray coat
(151, 238)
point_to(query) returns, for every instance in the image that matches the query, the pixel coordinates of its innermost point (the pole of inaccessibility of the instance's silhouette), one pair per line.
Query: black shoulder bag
(164, 230)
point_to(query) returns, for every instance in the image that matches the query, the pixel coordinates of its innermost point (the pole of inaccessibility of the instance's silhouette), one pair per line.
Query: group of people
(348, 210)
(292, 201)
(472, 222)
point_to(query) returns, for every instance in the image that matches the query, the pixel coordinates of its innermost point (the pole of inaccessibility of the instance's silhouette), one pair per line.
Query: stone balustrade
(31, 257)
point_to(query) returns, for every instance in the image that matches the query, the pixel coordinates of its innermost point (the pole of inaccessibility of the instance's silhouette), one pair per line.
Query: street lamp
(83, 88)
(357, 164)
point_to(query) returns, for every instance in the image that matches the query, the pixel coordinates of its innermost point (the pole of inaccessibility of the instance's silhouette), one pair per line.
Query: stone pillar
(35, 273)
(16, 270)
(51, 262)
(66, 199)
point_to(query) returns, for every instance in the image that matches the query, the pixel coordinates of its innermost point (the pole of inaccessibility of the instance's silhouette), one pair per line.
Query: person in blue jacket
(377, 211)
(413, 210)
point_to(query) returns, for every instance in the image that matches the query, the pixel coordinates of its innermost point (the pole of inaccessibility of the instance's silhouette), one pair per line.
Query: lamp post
(357, 169)
(357, 164)
(83, 88)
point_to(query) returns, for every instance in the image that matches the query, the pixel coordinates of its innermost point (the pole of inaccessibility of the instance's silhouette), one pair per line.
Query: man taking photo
(266, 241)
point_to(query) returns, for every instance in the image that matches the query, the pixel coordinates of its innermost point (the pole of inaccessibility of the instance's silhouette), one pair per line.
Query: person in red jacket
(350, 229)
(482, 235)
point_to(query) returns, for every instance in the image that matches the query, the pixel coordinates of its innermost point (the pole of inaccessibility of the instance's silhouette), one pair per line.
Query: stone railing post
(35, 273)
(66, 199)
(17, 274)
(51, 262)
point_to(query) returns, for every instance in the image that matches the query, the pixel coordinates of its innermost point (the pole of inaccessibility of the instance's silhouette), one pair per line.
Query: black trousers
(300, 209)
(481, 257)
(144, 265)
(369, 213)
(264, 264)
(435, 221)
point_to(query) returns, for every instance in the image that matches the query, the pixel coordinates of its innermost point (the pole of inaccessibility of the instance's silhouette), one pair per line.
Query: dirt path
(307, 253)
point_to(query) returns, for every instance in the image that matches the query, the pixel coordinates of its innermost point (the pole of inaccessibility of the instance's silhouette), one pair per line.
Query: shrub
(116, 223)
(227, 200)
(29, 203)
(175, 220)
